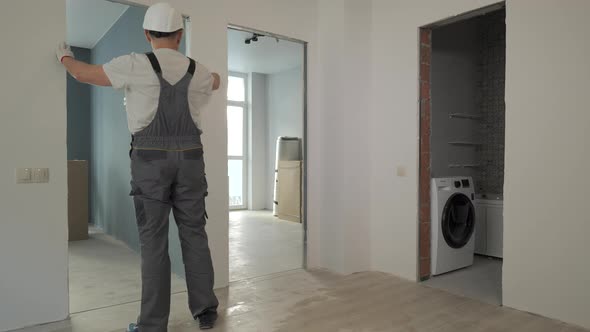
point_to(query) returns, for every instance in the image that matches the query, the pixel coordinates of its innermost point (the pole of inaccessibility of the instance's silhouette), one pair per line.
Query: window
(237, 140)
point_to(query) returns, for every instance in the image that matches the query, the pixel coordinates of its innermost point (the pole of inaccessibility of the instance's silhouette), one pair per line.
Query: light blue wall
(78, 99)
(112, 207)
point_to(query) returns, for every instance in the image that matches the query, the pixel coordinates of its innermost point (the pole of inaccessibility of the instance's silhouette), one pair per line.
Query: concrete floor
(291, 301)
(321, 301)
(98, 281)
(105, 272)
(260, 244)
(482, 281)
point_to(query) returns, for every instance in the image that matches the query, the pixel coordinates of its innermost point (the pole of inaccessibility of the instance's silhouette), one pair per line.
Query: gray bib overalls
(168, 173)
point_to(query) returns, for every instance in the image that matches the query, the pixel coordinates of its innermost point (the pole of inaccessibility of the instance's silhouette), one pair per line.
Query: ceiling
(265, 56)
(89, 20)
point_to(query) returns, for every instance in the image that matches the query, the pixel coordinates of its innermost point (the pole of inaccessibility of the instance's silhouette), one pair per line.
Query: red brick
(424, 90)
(425, 230)
(422, 215)
(425, 133)
(425, 106)
(425, 243)
(424, 195)
(424, 72)
(425, 267)
(425, 55)
(424, 211)
(424, 248)
(424, 144)
(425, 36)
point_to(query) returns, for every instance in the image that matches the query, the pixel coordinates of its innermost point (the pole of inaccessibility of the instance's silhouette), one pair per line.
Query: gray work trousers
(163, 181)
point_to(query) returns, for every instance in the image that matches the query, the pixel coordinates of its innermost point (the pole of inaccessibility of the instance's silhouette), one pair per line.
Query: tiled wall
(490, 176)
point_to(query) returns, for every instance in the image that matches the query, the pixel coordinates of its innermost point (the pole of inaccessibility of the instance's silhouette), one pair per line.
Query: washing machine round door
(458, 220)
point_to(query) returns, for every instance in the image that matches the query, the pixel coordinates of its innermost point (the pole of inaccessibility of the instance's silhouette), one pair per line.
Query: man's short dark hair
(158, 34)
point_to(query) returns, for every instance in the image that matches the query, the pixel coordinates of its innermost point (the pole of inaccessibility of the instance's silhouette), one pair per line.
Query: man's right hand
(216, 81)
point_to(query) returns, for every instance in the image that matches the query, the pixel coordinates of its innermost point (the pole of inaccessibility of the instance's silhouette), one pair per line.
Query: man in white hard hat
(165, 92)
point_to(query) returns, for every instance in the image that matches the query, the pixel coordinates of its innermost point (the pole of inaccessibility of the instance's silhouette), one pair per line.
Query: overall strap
(154, 61)
(192, 67)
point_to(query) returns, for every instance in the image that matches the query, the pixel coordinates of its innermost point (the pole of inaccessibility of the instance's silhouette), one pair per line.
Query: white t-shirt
(135, 75)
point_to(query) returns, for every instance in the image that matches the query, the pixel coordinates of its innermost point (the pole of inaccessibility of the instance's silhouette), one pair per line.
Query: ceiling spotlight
(254, 38)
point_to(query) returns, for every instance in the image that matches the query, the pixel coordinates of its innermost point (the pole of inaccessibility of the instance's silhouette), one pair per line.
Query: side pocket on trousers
(135, 190)
(205, 195)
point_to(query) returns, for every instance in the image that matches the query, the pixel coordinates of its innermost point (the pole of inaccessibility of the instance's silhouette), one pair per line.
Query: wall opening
(104, 265)
(462, 116)
(266, 152)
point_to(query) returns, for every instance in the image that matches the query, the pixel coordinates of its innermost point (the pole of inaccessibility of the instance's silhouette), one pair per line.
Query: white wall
(547, 126)
(345, 83)
(36, 277)
(285, 118)
(546, 219)
(33, 229)
(258, 151)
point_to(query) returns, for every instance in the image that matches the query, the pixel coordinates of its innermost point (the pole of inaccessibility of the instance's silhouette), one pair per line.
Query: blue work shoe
(132, 328)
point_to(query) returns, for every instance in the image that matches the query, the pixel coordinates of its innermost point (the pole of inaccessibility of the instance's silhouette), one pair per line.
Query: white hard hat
(162, 17)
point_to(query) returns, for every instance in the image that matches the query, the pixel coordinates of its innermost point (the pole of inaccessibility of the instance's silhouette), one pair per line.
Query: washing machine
(452, 224)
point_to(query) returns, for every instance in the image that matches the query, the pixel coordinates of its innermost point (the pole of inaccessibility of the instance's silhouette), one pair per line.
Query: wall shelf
(465, 143)
(464, 165)
(465, 116)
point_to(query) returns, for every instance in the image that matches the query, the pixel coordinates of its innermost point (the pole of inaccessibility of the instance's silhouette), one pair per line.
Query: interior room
(368, 214)
(467, 84)
(265, 153)
(104, 265)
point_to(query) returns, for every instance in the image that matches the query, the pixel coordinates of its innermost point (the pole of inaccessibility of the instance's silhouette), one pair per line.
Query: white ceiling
(265, 56)
(89, 20)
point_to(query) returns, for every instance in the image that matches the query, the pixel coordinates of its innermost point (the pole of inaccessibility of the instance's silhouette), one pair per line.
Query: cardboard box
(289, 190)
(78, 214)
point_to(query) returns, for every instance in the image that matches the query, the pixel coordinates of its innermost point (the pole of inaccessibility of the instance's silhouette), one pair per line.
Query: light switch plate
(401, 171)
(31, 175)
(24, 175)
(40, 175)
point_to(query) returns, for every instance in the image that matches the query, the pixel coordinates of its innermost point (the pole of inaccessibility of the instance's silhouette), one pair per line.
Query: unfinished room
(344, 165)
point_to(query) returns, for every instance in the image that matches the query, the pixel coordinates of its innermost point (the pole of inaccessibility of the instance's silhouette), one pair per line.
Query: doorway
(266, 153)
(104, 263)
(462, 77)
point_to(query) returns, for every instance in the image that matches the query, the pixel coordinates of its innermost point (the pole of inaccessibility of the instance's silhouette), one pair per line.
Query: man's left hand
(62, 51)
